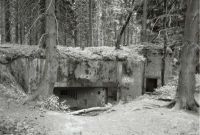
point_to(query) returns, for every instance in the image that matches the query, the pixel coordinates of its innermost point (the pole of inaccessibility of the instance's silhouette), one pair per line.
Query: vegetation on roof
(10, 52)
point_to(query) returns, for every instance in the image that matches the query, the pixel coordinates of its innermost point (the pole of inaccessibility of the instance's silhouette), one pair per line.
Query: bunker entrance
(151, 84)
(66, 92)
(82, 97)
(112, 95)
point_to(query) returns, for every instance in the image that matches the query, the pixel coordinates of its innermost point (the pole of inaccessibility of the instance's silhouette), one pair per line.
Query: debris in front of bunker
(52, 103)
(168, 92)
(92, 109)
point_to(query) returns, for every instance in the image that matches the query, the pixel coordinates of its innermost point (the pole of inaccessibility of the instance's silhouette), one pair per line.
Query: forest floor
(143, 116)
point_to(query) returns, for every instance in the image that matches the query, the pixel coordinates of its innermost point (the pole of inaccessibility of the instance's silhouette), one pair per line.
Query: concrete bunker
(85, 78)
(153, 65)
(93, 76)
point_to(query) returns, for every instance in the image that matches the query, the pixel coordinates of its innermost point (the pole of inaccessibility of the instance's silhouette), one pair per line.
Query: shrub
(52, 103)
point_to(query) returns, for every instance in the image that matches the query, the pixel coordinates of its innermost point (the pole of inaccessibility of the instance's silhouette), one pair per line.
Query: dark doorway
(198, 69)
(70, 92)
(151, 84)
(82, 97)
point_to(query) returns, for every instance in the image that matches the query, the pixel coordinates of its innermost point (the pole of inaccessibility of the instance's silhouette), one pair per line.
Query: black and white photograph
(99, 67)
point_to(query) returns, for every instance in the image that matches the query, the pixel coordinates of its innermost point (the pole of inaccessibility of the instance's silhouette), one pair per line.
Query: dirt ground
(143, 116)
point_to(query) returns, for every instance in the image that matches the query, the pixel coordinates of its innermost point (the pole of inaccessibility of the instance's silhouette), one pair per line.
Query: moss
(9, 53)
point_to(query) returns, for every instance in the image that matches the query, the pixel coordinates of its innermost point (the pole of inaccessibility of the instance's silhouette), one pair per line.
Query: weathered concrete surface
(132, 80)
(122, 72)
(83, 97)
(14, 90)
(28, 72)
(5, 75)
(93, 73)
(153, 64)
(95, 67)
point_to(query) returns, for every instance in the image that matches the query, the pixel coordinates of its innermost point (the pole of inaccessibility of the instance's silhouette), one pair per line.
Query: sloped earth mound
(10, 107)
(9, 87)
(168, 91)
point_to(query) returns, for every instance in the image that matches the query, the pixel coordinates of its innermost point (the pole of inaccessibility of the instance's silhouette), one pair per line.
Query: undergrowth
(52, 103)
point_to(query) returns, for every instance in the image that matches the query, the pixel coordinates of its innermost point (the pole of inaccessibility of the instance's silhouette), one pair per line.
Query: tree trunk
(128, 35)
(119, 37)
(90, 23)
(17, 22)
(99, 22)
(13, 23)
(42, 24)
(76, 37)
(51, 64)
(165, 46)
(48, 80)
(186, 84)
(144, 22)
(2, 21)
(124, 43)
(7, 21)
(50, 71)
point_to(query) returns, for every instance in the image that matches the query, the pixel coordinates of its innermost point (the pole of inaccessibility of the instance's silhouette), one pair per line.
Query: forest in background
(94, 22)
(29, 28)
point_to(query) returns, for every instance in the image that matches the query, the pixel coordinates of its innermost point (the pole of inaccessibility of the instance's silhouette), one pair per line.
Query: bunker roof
(149, 48)
(9, 52)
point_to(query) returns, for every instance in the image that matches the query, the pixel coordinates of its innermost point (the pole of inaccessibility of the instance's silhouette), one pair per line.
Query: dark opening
(198, 69)
(151, 84)
(63, 91)
(111, 94)
(198, 65)
(74, 94)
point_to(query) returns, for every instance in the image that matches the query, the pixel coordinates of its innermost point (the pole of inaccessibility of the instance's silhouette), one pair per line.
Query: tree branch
(117, 44)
